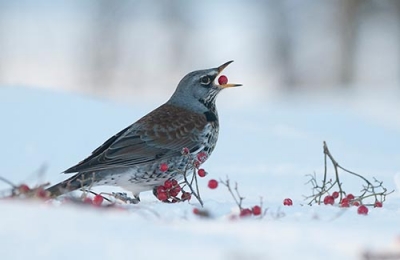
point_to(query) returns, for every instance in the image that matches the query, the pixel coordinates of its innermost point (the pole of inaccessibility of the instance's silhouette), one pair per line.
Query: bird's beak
(220, 69)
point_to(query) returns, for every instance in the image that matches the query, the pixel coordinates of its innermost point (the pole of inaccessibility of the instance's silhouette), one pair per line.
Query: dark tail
(78, 181)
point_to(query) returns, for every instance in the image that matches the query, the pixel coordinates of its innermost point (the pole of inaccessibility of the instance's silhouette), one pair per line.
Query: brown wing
(159, 135)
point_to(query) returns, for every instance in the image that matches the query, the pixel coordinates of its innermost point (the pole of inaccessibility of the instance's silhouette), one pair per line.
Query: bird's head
(200, 88)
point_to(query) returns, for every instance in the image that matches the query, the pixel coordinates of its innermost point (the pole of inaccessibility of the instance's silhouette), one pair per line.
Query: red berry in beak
(222, 80)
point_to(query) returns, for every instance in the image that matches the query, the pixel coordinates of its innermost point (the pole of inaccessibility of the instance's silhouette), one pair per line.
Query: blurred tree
(348, 19)
(2, 33)
(397, 10)
(104, 40)
(283, 44)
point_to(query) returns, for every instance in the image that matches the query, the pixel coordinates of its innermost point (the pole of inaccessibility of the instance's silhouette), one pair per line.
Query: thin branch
(8, 182)
(368, 190)
(237, 200)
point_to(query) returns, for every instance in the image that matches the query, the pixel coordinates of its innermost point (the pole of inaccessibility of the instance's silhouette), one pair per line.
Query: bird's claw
(125, 198)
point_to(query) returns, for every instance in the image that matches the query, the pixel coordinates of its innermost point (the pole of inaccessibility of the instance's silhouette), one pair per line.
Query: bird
(131, 158)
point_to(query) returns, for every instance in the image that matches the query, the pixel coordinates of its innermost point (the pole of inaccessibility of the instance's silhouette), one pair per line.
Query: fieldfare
(131, 159)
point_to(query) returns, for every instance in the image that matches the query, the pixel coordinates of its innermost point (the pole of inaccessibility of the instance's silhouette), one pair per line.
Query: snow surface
(267, 146)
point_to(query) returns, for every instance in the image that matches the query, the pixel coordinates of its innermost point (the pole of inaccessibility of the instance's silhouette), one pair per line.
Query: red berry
(245, 213)
(201, 172)
(87, 200)
(186, 196)
(222, 80)
(256, 210)
(196, 211)
(329, 200)
(175, 191)
(335, 194)
(41, 193)
(162, 196)
(212, 184)
(356, 203)
(97, 200)
(177, 188)
(344, 203)
(160, 189)
(185, 151)
(23, 188)
(378, 204)
(174, 183)
(202, 157)
(350, 196)
(362, 210)
(168, 184)
(287, 202)
(163, 167)
(196, 164)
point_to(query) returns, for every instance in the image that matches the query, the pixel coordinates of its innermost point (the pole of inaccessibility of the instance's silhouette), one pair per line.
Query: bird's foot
(125, 198)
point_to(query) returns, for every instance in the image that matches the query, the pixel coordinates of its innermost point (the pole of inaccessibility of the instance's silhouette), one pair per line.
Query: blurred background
(116, 49)
(73, 73)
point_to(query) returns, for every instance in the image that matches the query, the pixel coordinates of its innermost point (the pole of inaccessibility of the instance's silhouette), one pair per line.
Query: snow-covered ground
(266, 146)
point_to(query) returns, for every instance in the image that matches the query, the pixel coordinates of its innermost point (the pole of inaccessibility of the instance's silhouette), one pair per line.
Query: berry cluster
(96, 201)
(321, 191)
(23, 191)
(243, 212)
(90, 201)
(347, 201)
(170, 190)
(247, 212)
(350, 200)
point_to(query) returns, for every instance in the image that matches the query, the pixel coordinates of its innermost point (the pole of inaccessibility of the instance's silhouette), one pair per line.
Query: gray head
(198, 89)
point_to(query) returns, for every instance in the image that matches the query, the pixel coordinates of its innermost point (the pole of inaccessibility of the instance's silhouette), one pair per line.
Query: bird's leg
(124, 197)
(155, 192)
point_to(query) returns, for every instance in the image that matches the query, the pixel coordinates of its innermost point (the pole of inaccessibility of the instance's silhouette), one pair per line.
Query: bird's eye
(205, 80)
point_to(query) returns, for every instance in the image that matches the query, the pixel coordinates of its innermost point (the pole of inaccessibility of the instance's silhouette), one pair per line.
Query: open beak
(220, 69)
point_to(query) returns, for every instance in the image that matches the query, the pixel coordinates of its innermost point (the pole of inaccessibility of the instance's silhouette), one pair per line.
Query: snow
(267, 146)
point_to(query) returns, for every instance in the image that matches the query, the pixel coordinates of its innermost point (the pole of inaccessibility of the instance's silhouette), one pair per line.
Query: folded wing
(158, 136)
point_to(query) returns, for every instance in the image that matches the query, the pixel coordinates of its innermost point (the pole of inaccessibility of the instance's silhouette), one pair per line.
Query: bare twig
(196, 194)
(368, 190)
(237, 198)
(8, 182)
